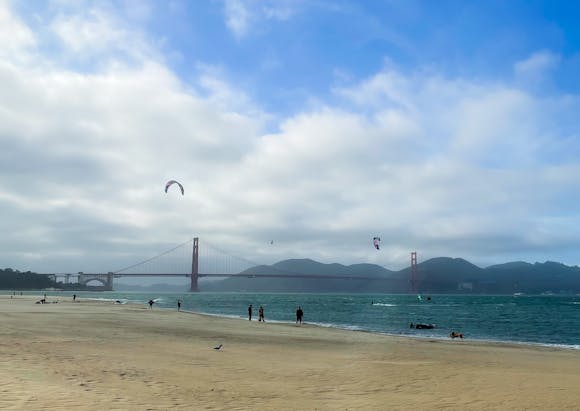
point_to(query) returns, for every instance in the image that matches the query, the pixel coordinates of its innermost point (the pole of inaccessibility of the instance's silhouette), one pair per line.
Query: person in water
(455, 335)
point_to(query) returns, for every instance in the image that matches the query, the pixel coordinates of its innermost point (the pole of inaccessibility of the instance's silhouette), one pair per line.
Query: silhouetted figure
(178, 305)
(250, 312)
(74, 297)
(151, 304)
(299, 314)
(261, 314)
(454, 335)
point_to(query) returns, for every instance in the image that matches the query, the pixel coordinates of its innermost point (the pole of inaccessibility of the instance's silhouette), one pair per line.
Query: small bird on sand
(218, 347)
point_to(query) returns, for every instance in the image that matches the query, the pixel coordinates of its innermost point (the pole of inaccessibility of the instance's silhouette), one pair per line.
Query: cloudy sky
(450, 128)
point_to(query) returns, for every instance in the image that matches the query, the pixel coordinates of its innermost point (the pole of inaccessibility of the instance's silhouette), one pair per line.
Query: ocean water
(545, 320)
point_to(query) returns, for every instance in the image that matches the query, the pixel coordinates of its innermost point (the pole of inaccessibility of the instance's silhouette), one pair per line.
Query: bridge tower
(414, 272)
(194, 266)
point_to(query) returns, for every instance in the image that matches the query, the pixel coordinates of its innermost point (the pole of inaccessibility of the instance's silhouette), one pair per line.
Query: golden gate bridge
(190, 260)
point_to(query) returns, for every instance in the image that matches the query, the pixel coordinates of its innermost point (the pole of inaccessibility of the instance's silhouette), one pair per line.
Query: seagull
(218, 347)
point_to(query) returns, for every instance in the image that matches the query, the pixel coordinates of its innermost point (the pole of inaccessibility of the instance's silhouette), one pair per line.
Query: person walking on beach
(261, 314)
(250, 312)
(178, 305)
(299, 314)
(151, 304)
(74, 297)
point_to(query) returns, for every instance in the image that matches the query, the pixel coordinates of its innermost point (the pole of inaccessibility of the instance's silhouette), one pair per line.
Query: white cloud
(98, 35)
(237, 17)
(536, 63)
(241, 16)
(15, 37)
(535, 69)
(281, 9)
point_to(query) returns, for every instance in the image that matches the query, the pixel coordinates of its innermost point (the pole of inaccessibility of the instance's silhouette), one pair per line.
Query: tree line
(11, 279)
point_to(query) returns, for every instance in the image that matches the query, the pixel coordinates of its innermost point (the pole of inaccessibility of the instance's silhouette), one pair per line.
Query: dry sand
(103, 356)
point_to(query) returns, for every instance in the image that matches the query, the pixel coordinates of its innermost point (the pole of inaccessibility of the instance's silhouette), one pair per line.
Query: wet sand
(104, 356)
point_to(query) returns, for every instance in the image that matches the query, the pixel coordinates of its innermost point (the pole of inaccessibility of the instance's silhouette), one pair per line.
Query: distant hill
(307, 267)
(537, 278)
(437, 275)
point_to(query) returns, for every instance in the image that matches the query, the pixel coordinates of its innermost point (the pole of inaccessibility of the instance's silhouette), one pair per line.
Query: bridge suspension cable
(154, 258)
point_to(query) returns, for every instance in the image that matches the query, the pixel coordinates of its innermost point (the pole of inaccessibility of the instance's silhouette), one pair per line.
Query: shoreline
(572, 347)
(468, 340)
(475, 341)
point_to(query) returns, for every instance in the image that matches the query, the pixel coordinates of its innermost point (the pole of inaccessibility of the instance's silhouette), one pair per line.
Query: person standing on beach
(151, 304)
(250, 312)
(299, 314)
(178, 305)
(74, 297)
(261, 314)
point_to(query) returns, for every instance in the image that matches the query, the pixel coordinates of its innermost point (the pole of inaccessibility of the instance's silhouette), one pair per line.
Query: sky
(448, 128)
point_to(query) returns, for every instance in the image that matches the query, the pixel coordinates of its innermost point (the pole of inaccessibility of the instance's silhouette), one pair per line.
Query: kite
(171, 182)
(376, 241)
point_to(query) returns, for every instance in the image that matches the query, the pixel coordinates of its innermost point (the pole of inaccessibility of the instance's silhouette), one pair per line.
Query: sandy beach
(103, 356)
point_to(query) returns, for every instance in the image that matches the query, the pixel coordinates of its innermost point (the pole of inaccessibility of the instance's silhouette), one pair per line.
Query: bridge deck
(310, 276)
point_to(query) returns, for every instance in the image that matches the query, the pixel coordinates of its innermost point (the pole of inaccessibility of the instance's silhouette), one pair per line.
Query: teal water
(546, 320)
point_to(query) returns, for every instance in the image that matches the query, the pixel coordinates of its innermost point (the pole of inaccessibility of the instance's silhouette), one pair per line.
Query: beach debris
(218, 347)
(376, 242)
(171, 182)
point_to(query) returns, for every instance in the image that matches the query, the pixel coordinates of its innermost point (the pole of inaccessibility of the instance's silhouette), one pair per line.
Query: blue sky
(449, 128)
(282, 52)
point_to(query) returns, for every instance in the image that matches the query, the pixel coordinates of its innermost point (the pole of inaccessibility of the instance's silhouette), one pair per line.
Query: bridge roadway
(311, 276)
